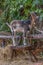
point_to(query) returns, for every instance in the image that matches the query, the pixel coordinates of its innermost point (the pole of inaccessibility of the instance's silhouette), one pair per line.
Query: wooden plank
(5, 33)
(36, 36)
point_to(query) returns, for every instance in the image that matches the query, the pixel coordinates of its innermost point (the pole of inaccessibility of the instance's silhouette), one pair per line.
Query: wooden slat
(36, 36)
(5, 33)
(10, 36)
(5, 36)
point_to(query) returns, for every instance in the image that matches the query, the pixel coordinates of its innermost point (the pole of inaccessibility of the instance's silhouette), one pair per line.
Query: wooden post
(3, 42)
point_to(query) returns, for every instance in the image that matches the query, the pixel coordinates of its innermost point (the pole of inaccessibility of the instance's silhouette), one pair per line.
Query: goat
(22, 26)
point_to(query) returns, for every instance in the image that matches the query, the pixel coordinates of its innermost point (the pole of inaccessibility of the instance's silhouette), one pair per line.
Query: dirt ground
(20, 62)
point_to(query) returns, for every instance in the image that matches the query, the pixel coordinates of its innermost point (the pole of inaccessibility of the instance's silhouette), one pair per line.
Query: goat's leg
(24, 41)
(13, 38)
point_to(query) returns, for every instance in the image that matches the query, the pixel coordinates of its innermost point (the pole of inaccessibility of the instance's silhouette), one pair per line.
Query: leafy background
(10, 10)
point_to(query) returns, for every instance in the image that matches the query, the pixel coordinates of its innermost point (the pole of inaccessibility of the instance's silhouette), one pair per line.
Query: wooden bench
(28, 47)
(23, 47)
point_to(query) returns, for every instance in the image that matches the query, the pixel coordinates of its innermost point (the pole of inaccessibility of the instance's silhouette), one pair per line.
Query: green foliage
(11, 10)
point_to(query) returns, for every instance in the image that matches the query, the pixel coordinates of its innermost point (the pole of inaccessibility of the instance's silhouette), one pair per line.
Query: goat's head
(34, 18)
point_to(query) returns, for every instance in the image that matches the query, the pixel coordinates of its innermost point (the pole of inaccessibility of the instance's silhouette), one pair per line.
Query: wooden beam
(36, 36)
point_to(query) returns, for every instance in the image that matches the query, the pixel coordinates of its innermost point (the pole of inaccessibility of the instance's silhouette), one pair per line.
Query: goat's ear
(33, 15)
